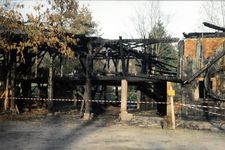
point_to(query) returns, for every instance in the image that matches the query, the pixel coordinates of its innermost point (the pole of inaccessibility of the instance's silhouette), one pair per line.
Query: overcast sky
(115, 18)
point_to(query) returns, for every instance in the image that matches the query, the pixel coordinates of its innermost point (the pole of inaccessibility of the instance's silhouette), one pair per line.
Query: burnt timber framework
(116, 53)
(116, 56)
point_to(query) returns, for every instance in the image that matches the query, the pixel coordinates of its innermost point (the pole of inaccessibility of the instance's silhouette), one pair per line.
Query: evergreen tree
(163, 50)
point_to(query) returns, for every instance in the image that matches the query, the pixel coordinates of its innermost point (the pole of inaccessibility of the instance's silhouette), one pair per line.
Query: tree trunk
(12, 86)
(50, 85)
(87, 96)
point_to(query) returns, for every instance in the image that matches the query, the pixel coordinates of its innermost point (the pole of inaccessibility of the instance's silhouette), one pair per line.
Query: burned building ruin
(100, 66)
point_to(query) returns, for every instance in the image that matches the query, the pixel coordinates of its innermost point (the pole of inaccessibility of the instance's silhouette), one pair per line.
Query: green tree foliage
(163, 49)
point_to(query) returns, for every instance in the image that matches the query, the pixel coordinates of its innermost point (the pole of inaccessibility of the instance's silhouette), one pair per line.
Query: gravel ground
(69, 132)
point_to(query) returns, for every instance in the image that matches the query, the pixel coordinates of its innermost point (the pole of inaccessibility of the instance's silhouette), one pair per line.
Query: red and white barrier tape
(202, 106)
(112, 101)
(79, 100)
(214, 113)
(191, 106)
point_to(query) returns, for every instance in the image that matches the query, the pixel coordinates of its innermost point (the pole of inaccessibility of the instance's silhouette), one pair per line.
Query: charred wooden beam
(204, 34)
(139, 41)
(122, 56)
(214, 26)
(82, 62)
(97, 50)
(150, 60)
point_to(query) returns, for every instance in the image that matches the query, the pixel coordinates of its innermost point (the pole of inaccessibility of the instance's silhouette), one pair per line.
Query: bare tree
(146, 18)
(214, 12)
(150, 22)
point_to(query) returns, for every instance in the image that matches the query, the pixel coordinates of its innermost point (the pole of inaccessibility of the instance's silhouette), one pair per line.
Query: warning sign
(171, 92)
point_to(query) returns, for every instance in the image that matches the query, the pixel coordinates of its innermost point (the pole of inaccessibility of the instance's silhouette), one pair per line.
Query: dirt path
(57, 133)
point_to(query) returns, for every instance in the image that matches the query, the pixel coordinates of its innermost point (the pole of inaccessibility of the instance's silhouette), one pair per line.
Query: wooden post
(105, 95)
(6, 102)
(61, 70)
(50, 84)
(124, 115)
(172, 112)
(117, 93)
(12, 80)
(138, 100)
(36, 66)
(170, 106)
(61, 66)
(26, 92)
(87, 98)
(75, 97)
(88, 95)
(12, 89)
(12, 101)
(180, 64)
(122, 56)
(116, 87)
(6, 92)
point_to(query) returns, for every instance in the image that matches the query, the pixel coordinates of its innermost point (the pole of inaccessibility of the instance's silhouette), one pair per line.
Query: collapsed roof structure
(106, 62)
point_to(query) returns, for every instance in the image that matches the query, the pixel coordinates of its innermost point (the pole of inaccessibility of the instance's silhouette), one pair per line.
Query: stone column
(124, 115)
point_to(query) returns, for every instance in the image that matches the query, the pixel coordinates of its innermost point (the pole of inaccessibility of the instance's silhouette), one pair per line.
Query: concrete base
(88, 116)
(125, 116)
